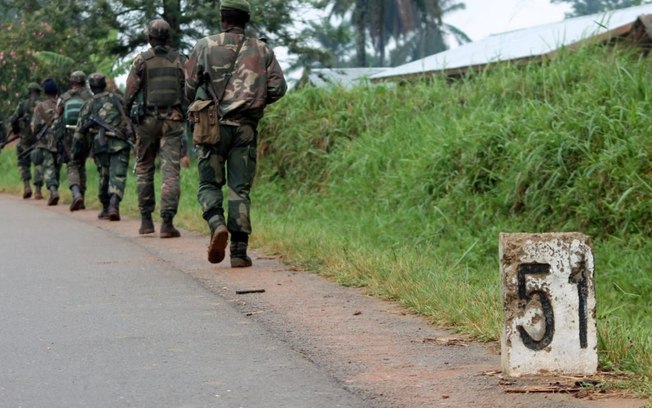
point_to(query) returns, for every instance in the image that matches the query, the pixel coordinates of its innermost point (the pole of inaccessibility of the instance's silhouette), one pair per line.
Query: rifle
(39, 135)
(109, 130)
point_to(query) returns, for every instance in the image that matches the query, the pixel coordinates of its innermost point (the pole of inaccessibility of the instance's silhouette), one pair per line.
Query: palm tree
(416, 26)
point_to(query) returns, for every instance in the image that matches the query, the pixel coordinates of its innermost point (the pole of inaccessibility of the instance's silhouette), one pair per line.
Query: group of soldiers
(226, 82)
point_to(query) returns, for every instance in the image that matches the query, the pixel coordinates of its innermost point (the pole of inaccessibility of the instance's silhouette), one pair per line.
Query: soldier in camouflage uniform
(157, 79)
(68, 107)
(21, 125)
(104, 128)
(45, 149)
(255, 81)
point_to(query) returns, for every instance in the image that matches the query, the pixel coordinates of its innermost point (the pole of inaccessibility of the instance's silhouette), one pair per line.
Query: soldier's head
(34, 89)
(158, 32)
(97, 82)
(235, 13)
(78, 78)
(50, 87)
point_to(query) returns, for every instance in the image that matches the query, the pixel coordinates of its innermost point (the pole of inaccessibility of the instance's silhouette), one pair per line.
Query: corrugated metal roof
(524, 43)
(346, 77)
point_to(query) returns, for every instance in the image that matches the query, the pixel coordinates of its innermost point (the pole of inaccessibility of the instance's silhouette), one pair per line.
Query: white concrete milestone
(549, 302)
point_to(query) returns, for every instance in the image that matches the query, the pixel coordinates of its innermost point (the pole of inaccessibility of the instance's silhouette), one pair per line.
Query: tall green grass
(404, 189)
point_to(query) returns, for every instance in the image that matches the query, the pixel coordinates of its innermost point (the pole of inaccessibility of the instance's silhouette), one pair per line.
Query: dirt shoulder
(374, 348)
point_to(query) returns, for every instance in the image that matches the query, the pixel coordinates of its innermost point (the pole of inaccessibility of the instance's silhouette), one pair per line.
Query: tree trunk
(172, 14)
(359, 18)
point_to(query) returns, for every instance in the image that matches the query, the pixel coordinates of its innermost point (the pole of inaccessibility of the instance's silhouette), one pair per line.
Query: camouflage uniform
(256, 80)
(110, 151)
(21, 125)
(66, 122)
(157, 78)
(46, 145)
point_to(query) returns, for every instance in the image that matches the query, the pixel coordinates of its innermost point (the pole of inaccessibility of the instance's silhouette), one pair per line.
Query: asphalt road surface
(89, 320)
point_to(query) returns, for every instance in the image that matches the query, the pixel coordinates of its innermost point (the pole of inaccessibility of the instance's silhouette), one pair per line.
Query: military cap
(97, 81)
(159, 29)
(78, 77)
(50, 87)
(240, 5)
(34, 87)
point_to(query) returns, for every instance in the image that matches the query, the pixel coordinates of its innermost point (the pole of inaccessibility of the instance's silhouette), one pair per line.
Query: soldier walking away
(20, 123)
(45, 148)
(155, 99)
(242, 75)
(104, 129)
(68, 107)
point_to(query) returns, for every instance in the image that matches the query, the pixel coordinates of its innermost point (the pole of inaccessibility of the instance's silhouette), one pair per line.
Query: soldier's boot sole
(54, 199)
(217, 246)
(239, 262)
(169, 233)
(114, 215)
(77, 204)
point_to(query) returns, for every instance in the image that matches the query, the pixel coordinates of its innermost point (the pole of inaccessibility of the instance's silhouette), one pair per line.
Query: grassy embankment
(405, 189)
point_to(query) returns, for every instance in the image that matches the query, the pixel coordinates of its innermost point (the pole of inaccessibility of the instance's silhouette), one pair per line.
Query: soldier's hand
(185, 161)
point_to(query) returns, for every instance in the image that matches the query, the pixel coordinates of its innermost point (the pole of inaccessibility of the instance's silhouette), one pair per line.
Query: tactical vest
(162, 87)
(71, 110)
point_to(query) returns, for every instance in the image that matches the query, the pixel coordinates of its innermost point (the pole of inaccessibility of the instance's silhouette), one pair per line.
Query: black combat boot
(38, 195)
(54, 196)
(146, 224)
(27, 190)
(77, 198)
(167, 229)
(239, 258)
(114, 208)
(217, 246)
(104, 213)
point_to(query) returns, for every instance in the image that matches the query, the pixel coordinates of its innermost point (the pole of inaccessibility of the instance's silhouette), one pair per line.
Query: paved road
(89, 320)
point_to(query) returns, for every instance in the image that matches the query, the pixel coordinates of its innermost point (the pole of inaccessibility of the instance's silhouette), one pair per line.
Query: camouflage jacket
(44, 115)
(257, 78)
(21, 121)
(107, 108)
(136, 81)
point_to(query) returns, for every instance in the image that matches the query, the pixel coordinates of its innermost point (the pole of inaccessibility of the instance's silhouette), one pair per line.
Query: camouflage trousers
(232, 161)
(112, 169)
(51, 168)
(25, 167)
(158, 137)
(76, 170)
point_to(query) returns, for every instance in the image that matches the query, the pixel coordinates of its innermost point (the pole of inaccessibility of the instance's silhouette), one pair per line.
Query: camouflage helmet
(97, 82)
(158, 29)
(34, 87)
(239, 5)
(78, 77)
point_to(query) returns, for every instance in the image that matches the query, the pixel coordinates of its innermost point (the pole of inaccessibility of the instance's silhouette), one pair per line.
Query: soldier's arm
(194, 71)
(134, 82)
(276, 85)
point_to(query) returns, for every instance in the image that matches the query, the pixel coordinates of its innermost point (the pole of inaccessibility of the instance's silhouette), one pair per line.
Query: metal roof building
(346, 77)
(526, 44)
